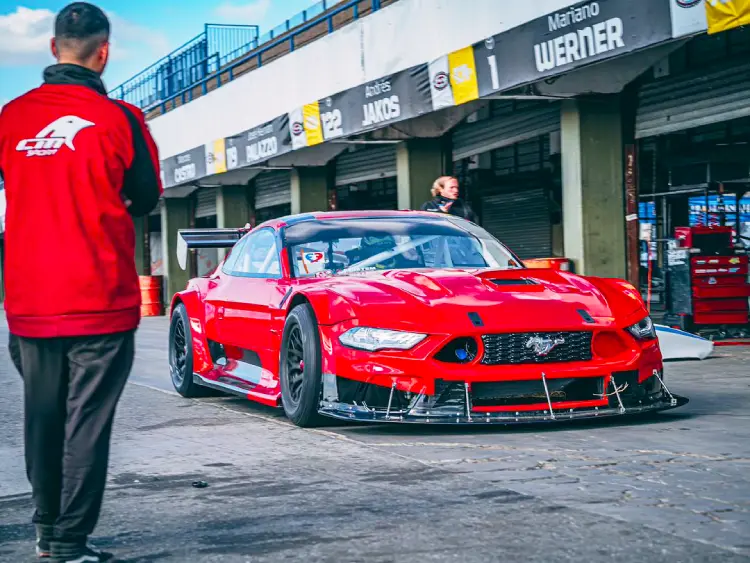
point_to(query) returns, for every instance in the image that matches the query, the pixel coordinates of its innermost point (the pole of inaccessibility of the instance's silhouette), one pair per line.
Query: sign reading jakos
(727, 14)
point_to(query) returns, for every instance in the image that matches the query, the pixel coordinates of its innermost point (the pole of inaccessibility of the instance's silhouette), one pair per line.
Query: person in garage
(445, 199)
(77, 167)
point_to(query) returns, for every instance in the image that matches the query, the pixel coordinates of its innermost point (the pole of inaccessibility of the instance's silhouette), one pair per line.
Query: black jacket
(459, 208)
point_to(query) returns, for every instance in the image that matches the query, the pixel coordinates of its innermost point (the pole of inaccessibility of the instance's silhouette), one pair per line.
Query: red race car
(404, 316)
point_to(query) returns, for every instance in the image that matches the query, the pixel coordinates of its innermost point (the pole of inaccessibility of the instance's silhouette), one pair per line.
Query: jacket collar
(70, 74)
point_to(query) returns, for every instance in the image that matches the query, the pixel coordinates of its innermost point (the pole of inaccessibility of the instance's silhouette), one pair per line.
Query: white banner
(440, 84)
(297, 129)
(688, 17)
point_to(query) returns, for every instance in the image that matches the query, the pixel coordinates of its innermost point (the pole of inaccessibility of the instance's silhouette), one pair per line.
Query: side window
(259, 257)
(236, 251)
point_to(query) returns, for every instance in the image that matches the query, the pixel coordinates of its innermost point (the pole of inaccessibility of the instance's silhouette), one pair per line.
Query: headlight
(373, 339)
(643, 330)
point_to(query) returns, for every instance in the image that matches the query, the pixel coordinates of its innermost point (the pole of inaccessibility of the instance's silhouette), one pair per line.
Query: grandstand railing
(200, 57)
(221, 53)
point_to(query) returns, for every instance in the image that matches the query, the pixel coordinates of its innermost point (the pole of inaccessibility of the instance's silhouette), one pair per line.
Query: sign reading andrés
(568, 39)
(376, 104)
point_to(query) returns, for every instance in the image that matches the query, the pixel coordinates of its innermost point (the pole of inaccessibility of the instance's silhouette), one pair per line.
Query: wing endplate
(188, 239)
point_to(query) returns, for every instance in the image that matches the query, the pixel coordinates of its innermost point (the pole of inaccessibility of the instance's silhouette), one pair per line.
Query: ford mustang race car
(405, 316)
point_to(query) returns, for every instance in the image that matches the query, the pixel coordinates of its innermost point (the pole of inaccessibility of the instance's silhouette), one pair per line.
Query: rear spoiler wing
(189, 239)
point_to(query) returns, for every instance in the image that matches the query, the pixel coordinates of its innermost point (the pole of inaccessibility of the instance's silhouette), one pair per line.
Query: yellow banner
(723, 15)
(463, 73)
(311, 122)
(220, 157)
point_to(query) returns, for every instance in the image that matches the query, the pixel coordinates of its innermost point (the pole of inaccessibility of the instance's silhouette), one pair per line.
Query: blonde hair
(439, 184)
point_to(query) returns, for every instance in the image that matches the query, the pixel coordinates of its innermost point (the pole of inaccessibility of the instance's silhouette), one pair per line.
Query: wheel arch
(192, 300)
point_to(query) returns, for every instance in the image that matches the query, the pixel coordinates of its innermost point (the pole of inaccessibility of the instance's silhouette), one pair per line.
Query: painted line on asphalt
(288, 424)
(154, 388)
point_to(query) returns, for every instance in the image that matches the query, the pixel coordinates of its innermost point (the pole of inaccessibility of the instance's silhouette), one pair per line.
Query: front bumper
(459, 409)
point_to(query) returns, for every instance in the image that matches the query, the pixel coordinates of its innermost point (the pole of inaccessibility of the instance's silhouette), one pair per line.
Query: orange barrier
(151, 302)
(562, 264)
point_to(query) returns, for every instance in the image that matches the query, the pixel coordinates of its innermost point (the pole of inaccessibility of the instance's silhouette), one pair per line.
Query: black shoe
(43, 535)
(43, 549)
(88, 554)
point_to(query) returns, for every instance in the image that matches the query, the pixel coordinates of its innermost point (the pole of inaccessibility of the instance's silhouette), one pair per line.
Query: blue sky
(142, 32)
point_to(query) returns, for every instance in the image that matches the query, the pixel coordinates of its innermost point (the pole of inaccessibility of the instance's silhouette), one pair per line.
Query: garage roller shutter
(371, 163)
(273, 188)
(525, 123)
(520, 220)
(205, 202)
(693, 100)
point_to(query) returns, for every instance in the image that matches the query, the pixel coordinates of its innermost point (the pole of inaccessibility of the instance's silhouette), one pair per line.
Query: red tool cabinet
(717, 276)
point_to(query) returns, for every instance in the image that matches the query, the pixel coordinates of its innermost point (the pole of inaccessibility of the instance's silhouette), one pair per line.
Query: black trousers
(71, 390)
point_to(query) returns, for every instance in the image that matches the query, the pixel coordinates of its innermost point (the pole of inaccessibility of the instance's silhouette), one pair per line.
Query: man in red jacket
(77, 167)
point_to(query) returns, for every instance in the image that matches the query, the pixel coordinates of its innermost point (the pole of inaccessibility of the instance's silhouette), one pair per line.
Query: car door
(244, 314)
(217, 290)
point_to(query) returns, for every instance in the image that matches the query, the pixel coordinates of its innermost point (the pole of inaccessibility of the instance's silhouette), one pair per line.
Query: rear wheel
(300, 367)
(181, 355)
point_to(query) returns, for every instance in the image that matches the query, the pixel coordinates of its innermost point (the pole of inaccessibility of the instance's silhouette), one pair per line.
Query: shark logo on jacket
(51, 139)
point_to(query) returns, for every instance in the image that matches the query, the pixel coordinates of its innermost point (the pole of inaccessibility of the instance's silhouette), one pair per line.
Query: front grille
(529, 348)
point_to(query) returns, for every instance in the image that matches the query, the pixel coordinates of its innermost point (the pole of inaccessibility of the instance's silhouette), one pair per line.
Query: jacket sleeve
(142, 185)
(2, 141)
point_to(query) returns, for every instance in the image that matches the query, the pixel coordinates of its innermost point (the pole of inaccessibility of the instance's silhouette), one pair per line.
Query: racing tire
(300, 367)
(181, 355)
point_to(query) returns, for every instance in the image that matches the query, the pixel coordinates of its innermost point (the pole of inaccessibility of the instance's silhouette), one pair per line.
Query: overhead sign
(723, 15)
(216, 162)
(376, 104)
(185, 167)
(453, 79)
(258, 144)
(559, 42)
(305, 127)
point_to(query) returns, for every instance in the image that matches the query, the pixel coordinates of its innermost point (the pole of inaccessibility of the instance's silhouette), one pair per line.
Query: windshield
(343, 246)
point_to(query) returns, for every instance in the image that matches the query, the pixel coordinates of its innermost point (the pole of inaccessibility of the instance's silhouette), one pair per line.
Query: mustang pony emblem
(543, 345)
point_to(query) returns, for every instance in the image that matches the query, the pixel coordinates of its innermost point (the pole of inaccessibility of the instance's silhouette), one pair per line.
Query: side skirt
(250, 393)
(218, 386)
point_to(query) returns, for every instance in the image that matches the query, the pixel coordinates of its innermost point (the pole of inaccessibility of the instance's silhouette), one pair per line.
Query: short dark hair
(81, 28)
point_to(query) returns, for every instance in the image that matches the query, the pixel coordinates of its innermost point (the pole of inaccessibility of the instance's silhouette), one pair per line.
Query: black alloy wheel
(300, 367)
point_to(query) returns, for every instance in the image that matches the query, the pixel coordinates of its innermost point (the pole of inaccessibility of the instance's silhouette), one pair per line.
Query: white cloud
(25, 35)
(248, 14)
(130, 40)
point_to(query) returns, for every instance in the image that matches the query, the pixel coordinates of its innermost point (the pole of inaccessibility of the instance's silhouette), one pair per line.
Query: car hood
(439, 301)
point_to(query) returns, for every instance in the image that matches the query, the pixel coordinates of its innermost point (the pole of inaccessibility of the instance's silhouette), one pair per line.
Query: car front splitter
(363, 413)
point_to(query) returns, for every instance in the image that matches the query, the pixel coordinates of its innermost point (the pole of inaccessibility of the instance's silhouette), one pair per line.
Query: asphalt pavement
(672, 487)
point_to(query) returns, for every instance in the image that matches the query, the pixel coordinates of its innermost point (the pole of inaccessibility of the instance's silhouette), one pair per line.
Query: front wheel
(300, 367)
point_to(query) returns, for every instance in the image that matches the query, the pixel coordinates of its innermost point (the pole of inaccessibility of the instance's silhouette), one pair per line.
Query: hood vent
(521, 281)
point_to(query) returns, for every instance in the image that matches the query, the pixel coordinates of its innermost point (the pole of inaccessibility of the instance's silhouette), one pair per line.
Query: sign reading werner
(376, 104)
(585, 33)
